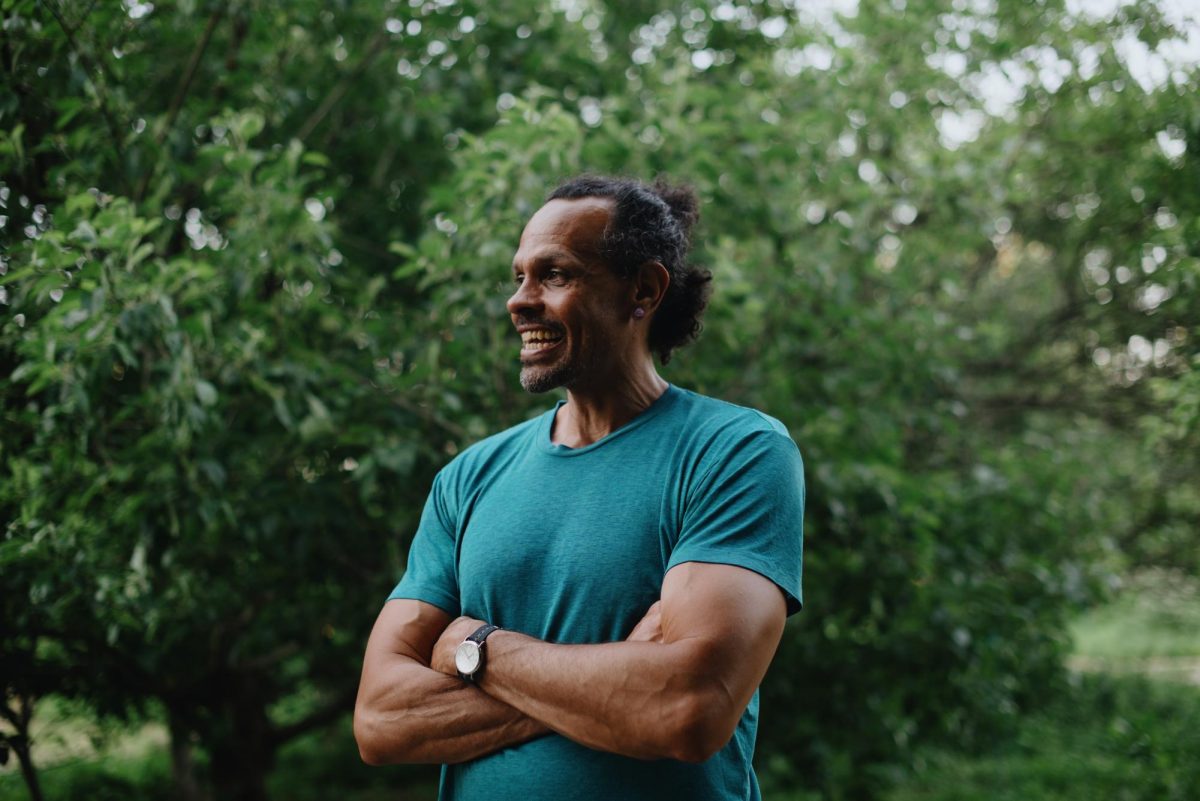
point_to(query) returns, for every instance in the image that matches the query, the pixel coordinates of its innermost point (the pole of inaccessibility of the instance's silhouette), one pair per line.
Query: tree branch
(241, 26)
(100, 69)
(181, 93)
(185, 80)
(339, 90)
(87, 12)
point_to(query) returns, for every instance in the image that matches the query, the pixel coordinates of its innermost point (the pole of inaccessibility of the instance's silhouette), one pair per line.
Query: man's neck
(592, 413)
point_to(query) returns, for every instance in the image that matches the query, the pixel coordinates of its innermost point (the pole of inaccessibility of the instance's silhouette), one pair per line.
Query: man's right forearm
(415, 714)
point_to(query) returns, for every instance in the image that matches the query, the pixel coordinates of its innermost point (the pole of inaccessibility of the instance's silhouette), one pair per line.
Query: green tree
(254, 275)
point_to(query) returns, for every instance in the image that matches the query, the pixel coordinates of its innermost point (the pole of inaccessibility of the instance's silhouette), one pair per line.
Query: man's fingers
(649, 628)
(443, 650)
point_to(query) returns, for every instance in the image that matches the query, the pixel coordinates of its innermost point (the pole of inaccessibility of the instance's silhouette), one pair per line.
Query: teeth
(538, 339)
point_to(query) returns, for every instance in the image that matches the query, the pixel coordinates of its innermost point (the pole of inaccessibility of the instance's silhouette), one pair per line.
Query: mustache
(538, 322)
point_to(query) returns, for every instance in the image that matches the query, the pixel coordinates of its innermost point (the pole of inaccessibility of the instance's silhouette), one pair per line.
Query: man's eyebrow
(547, 260)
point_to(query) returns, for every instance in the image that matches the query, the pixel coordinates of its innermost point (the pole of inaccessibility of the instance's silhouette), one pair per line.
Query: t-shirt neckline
(660, 404)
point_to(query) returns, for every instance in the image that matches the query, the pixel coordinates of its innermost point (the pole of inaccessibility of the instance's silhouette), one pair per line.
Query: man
(638, 545)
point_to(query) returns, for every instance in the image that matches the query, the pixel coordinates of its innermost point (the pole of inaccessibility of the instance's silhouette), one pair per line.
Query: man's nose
(526, 300)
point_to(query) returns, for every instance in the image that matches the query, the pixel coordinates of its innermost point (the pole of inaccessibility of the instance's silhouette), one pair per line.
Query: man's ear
(650, 285)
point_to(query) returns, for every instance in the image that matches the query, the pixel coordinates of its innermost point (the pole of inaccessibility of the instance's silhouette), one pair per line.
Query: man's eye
(556, 275)
(518, 278)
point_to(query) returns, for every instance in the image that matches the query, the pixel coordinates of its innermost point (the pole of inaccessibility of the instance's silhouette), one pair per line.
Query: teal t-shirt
(571, 546)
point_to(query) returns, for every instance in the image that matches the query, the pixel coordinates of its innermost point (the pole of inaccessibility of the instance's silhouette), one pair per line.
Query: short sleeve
(431, 575)
(747, 509)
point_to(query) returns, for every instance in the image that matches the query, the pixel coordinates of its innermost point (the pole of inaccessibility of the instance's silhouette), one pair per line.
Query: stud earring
(639, 312)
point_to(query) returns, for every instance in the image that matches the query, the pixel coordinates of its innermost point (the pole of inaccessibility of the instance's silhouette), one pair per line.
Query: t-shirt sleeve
(431, 576)
(747, 509)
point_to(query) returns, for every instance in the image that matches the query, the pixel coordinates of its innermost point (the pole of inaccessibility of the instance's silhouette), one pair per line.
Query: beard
(582, 360)
(572, 368)
(543, 378)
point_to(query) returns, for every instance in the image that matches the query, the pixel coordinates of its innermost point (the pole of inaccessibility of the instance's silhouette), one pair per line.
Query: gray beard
(543, 379)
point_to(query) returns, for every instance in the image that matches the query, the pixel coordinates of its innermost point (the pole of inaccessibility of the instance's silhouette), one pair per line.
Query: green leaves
(184, 419)
(248, 314)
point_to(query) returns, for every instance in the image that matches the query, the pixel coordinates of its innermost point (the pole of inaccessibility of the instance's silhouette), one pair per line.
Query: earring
(639, 313)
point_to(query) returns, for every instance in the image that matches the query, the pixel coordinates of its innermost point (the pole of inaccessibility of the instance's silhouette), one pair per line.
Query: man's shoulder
(513, 435)
(708, 417)
(496, 448)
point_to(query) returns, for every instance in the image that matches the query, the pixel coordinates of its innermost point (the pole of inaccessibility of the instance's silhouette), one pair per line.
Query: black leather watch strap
(482, 633)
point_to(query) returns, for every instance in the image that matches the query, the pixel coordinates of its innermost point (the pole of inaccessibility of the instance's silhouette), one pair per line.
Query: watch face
(466, 658)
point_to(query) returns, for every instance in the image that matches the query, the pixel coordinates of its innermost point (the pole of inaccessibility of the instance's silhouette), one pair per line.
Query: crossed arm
(675, 688)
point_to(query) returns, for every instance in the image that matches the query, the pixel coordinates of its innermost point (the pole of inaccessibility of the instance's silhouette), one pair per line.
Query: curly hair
(652, 223)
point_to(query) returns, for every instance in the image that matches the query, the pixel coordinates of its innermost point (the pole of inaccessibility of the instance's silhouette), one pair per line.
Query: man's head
(602, 276)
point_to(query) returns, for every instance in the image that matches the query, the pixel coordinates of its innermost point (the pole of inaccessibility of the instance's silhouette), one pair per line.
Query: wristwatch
(471, 654)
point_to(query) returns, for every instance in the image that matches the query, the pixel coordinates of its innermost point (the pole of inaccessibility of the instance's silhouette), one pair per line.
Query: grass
(1124, 738)
(79, 757)
(103, 777)
(306, 770)
(1128, 729)
(1152, 627)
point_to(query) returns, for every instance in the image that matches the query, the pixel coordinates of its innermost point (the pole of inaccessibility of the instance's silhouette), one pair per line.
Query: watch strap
(480, 634)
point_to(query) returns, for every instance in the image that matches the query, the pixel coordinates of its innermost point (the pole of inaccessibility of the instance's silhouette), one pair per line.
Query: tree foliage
(254, 277)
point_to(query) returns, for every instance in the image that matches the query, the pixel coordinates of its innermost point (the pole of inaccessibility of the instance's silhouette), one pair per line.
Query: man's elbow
(368, 748)
(700, 745)
(373, 747)
(372, 756)
(703, 729)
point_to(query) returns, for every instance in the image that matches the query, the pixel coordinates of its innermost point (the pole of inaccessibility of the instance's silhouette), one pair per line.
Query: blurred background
(255, 257)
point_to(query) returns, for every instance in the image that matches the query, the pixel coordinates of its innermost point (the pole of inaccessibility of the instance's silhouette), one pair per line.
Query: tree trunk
(243, 750)
(183, 767)
(19, 742)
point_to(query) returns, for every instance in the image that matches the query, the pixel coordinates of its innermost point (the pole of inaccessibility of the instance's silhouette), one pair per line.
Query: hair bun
(682, 200)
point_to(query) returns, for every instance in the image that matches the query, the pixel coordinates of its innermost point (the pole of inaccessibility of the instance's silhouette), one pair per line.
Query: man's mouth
(539, 339)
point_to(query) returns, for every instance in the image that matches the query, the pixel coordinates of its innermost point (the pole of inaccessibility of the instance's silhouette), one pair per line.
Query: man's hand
(459, 629)
(649, 628)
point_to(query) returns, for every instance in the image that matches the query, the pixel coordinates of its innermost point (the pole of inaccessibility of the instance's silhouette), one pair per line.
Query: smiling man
(593, 597)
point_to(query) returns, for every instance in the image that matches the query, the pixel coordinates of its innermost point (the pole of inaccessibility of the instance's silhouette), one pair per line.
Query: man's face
(567, 304)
